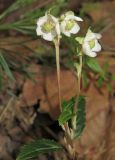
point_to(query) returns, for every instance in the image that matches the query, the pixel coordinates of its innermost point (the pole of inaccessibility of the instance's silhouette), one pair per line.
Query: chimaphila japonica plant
(72, 112)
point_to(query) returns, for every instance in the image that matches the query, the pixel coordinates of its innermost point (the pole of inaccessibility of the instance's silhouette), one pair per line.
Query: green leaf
(85, 79)
(80, 116)
(93, 64)
(67, 111)
(5, 67)
(37, 147)
(79, 39)
(100, 81)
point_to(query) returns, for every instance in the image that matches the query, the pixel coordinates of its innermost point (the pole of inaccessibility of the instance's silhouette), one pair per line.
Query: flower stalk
(79, 74)
(65, 127)
(57, 44)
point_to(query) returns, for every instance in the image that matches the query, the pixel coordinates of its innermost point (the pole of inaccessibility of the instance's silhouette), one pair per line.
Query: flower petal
(69, 17)
(78, 18)
(97, 47)
(68, 34)
(75, 29)
(92, 54)
(69, 13)
(86, 47)
(57, 28)
(63, 30)
(62, 26)
(39, 31)
(42, 20)
(53, 24)
(54, 19)
(90, 36)
(87, 50)
(90, 44)
(98, 36)
(48, 36)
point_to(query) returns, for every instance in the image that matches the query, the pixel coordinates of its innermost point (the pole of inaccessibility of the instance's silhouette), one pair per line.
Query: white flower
(90, 44)
(48, 27)
(69, 23)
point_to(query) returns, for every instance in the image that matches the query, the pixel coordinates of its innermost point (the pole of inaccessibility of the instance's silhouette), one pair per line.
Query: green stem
(57, 43)
(79, 76)
(79, 72)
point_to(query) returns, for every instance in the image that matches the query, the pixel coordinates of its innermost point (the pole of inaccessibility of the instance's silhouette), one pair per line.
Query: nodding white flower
(90, 44)
(69, 23)
(48, 27)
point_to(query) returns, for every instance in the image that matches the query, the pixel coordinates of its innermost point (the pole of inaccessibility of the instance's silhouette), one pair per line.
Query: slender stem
(79, 75)
(56, 42)
(79, 71)
(65, 126)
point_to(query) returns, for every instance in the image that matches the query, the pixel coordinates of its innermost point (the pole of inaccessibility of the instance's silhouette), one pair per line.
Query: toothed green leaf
(67, 111)
(80, 116)
(93, 64)
(37, 147)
